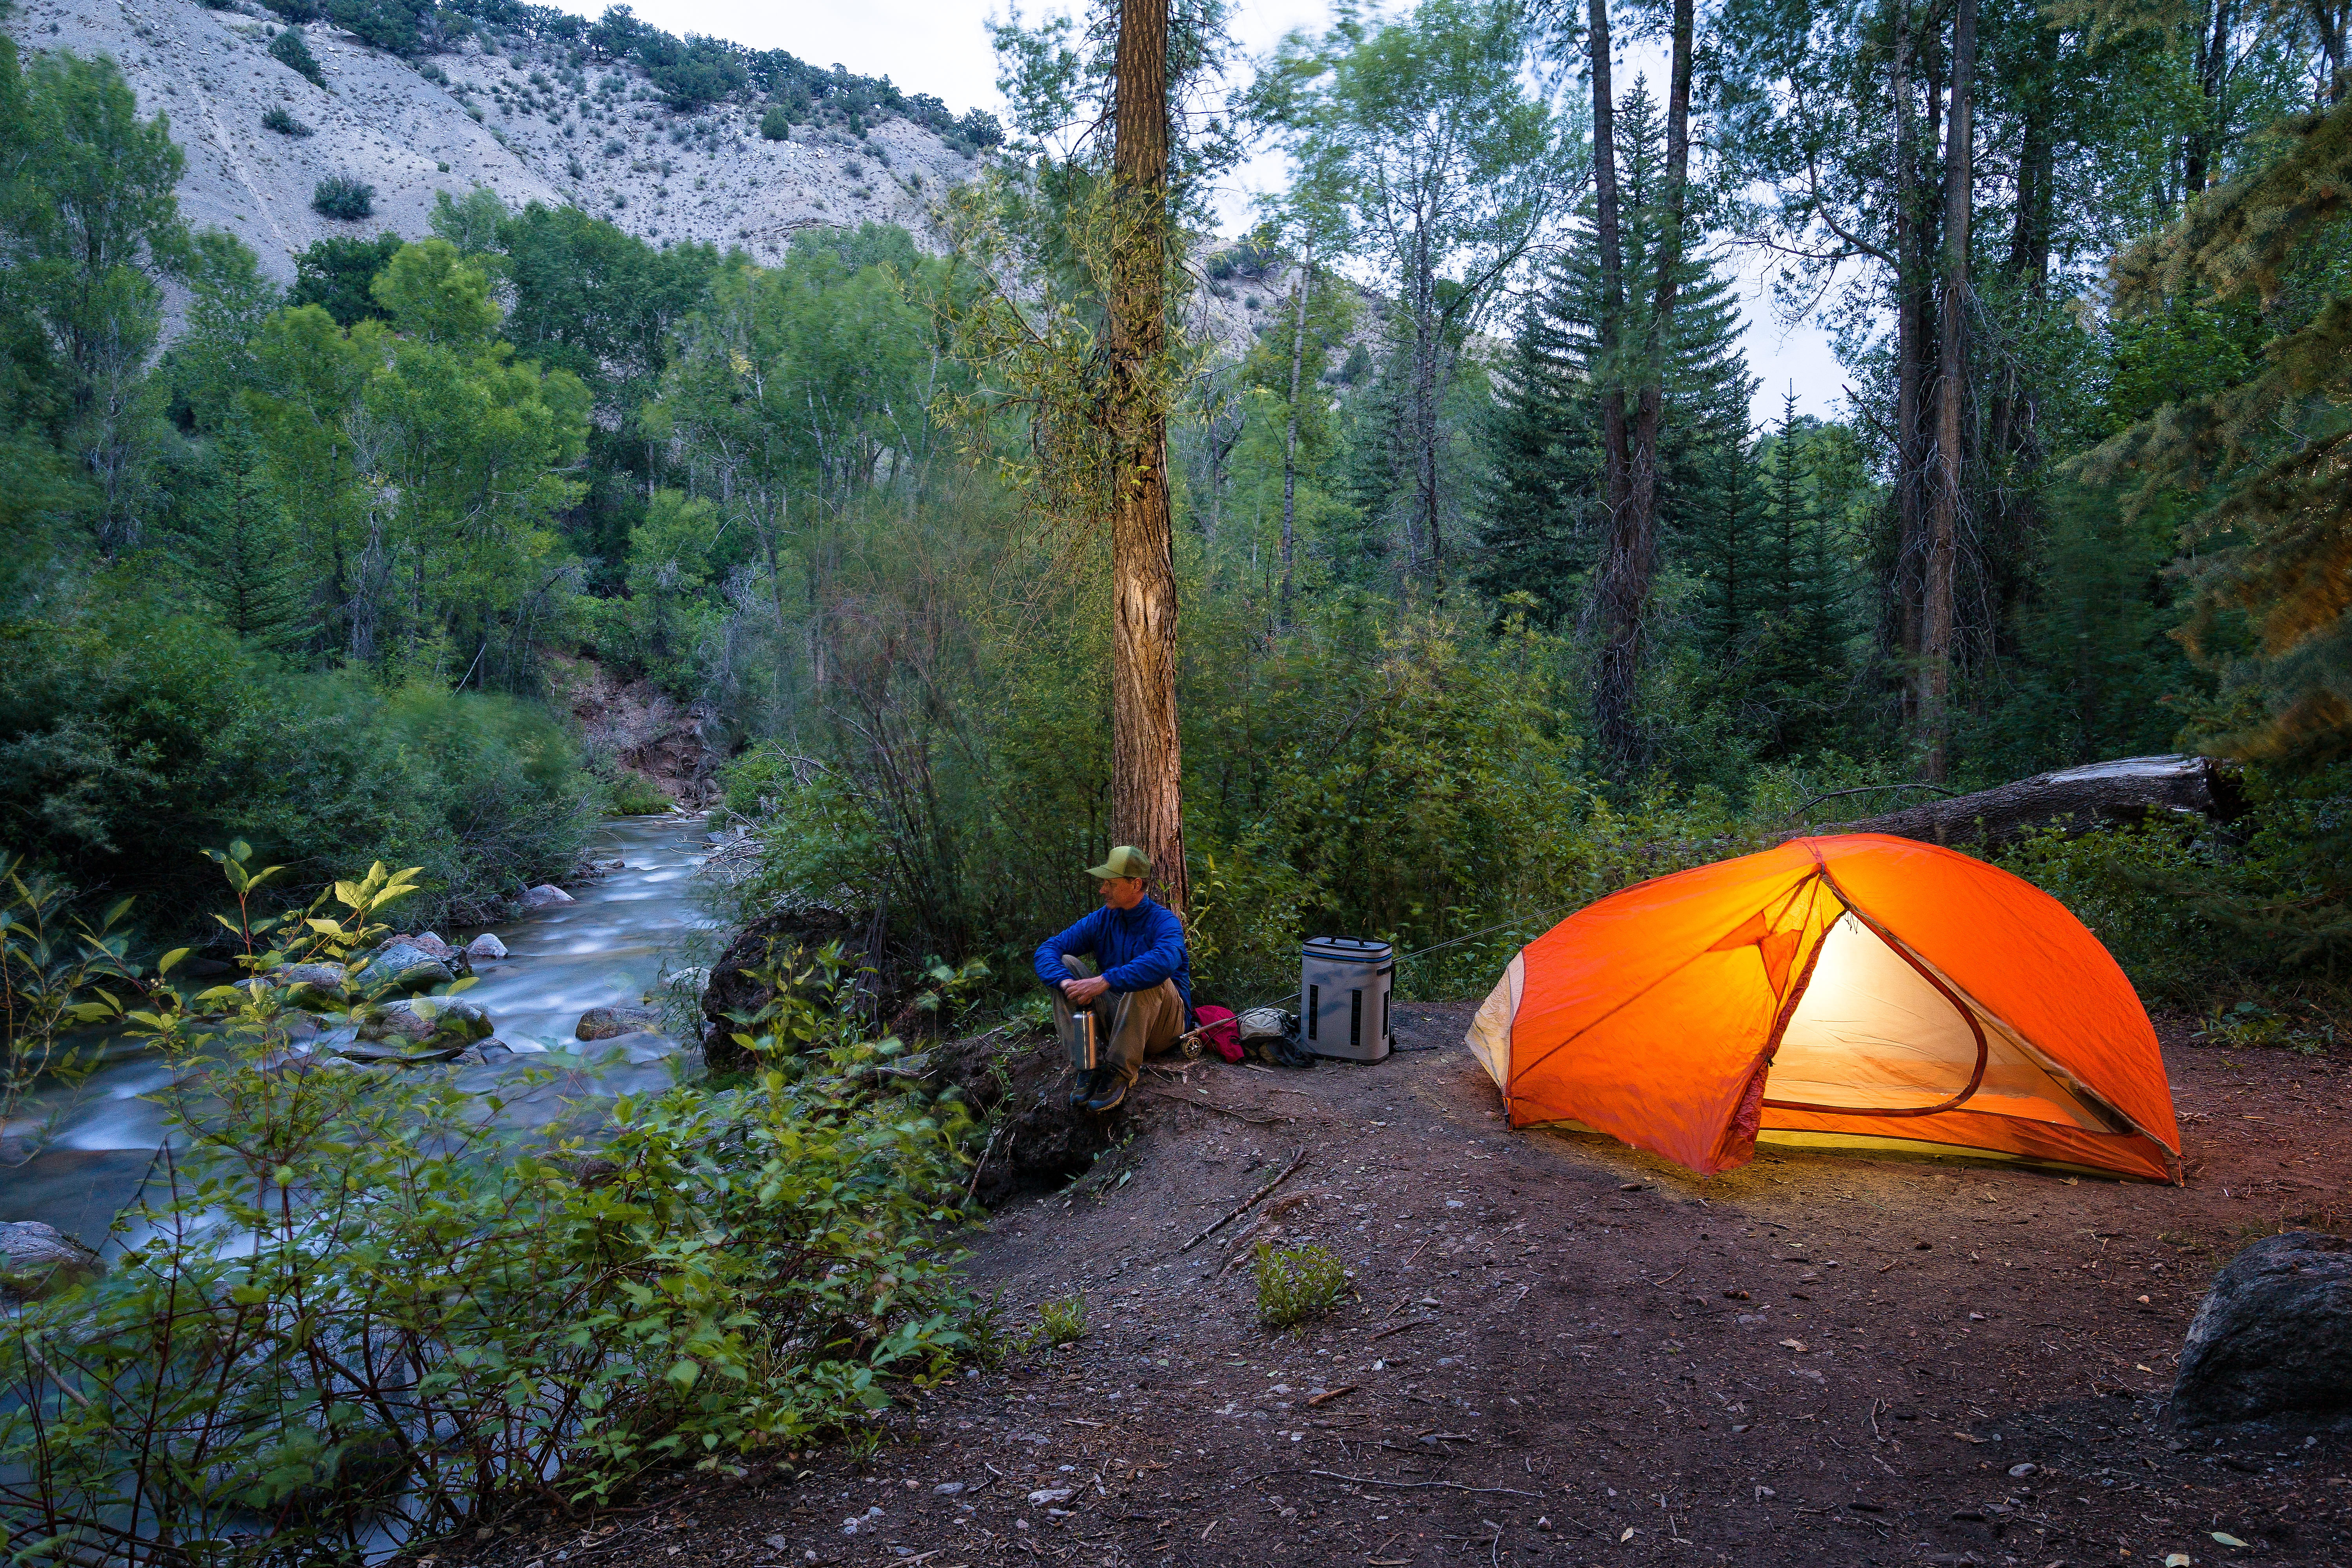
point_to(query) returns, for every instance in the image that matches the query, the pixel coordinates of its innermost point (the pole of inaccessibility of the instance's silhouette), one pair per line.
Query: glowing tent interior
(1859, 990)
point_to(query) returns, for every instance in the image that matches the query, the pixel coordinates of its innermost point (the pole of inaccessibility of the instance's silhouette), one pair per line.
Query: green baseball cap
(1125, 860)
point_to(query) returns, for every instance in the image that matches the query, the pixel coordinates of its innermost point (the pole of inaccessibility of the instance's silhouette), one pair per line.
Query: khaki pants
(1128, 1025)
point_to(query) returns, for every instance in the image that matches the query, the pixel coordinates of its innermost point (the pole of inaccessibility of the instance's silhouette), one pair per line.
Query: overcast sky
(940, 47)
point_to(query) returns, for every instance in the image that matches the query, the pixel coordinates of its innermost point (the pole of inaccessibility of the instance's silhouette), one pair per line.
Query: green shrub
(1297, 1284)
(288, 49)
(342, 198)
(737, 1273)
(279, 118)
(1063, 1321)
(631, 794)
(775, 124)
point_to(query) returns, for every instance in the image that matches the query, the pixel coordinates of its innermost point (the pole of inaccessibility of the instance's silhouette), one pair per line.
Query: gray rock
(485, 946)
(2273, 1336)
(546, 896)
(484, 1052)
(608, 1023)
(309, 984)
(431, 942)
(401, 968)
(424, 1026)
(37, 1260)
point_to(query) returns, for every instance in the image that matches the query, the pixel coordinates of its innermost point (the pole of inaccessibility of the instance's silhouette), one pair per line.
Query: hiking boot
(1111, 1093)
(1083, 1089)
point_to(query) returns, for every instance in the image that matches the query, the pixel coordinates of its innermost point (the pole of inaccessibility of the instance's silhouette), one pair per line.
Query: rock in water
(431, 942)
(400, 967)
(421, 1029)
(37, 1260)
(2273, 1336)
(546, 896)
(485, 946)
(610, 1022)
(311, 985)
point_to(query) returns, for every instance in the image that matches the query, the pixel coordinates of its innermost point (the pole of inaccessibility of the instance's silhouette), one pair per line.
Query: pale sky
(940, 47)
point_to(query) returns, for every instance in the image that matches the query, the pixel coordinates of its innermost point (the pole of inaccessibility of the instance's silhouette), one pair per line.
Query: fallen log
(2100, 795)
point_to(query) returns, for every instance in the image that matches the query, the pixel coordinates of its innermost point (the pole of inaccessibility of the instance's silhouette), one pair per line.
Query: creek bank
(1821, 1357)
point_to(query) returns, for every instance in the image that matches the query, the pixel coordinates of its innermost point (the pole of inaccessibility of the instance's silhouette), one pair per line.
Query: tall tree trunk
(1939, 643)
(1147, 753)
(1613, 685)
(2212, 74)
(1425, 349)
(1910, 347)
(1290, 433)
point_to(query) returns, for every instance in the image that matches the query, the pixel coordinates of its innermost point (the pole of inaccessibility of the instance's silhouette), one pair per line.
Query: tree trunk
(1910, 350)
(1290, 435)
(2212, 70)
(1425, 405)
(1618, 607)
(1938, 646)
(2102, 795)
(1147, 753)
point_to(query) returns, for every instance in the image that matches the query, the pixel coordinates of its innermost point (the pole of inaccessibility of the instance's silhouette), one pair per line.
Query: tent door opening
(1875, 1033)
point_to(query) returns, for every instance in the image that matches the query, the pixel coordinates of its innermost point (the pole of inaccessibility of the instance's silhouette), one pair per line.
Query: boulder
(422, 1028)
(2273, 1336)
(546, 896)
(431, 942)
(401, 968)
(484, 1052)
(312, 985)
(37, 1260)
(608, 1023)
(485, 946)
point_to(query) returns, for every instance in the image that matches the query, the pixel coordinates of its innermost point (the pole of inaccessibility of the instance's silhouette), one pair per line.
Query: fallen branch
(1232, 1214)
(1331, 1394)
(1400, 1328)
(1448, 1485)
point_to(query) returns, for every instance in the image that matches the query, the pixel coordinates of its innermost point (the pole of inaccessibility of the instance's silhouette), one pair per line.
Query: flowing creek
(612, 945)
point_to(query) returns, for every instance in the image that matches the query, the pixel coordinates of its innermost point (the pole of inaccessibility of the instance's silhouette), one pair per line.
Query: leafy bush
(1297, 1284)
(280, 118)
(52, 968)
(344, 199)
(423, 1321)
(775, 124)
(631, 794)
(288, 49)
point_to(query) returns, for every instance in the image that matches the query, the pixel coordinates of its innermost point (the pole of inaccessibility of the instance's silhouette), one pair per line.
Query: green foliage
(1296, 1283)
(280, 119)
(343, 199)
(290, 49)
(57, 975)
(1062, 1321)
(732, 1274)
(631, 794)
(338, 275)
(775, 123)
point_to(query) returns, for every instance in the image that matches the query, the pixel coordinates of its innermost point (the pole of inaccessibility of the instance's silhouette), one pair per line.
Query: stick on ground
(1235, 1214)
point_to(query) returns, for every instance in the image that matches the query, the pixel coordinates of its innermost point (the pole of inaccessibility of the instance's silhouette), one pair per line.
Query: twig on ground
(1448, 1485)
(1220, 1109)
(1235, 1214)
(1400, 1328)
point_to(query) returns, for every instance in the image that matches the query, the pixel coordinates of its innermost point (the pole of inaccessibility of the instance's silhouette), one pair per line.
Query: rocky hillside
(522, 120)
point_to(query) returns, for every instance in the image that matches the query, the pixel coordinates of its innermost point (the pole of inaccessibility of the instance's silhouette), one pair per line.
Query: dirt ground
(1561, 1351)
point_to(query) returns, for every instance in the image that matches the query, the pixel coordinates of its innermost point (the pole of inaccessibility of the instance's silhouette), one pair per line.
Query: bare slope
(521, 123)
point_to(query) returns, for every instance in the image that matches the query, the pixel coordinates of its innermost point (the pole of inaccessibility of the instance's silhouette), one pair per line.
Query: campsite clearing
(1561, 1351)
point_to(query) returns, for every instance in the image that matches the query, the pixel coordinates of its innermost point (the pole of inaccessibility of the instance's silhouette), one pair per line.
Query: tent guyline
(1857, 990)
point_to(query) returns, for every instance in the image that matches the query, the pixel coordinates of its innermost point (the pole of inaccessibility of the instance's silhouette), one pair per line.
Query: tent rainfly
(1858, 991)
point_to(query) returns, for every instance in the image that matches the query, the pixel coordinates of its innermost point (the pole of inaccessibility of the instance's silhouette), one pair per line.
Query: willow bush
(355, 1305)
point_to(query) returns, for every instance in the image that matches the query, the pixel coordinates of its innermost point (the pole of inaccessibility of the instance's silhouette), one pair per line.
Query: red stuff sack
(1220, 1031)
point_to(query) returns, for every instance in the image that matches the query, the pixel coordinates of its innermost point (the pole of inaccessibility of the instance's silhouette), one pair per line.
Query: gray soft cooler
(1343, 997)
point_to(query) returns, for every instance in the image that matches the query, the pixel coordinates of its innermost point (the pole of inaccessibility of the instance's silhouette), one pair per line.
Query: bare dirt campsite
(1560, 1351)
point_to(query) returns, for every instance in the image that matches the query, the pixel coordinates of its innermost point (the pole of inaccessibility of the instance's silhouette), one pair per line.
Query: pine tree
(1543, 440)
(243, 548)
(2273, 454)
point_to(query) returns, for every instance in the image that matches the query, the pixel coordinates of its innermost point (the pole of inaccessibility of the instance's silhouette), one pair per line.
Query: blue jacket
(1134, 949)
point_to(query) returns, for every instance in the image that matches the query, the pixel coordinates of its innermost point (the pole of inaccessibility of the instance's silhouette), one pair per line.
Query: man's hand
(1083, 992)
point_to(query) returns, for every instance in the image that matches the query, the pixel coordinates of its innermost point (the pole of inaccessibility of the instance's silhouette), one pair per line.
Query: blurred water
(96, 1141)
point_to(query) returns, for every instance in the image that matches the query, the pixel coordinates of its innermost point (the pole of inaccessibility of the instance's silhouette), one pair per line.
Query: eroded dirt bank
(1564, 1352)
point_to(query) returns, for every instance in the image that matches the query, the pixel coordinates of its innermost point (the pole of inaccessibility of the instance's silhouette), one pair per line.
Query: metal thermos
(1344, 984)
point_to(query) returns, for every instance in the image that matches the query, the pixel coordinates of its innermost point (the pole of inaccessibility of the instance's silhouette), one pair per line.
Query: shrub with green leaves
(278, 117)
(289, 49)
(775, 124)
(342, 198)
(428, 1319)
(1062, 1321)
(1295, 1284)
(631, 794)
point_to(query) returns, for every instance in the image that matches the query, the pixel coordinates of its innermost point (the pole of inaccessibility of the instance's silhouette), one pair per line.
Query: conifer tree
(2271, 456)
(246, 557)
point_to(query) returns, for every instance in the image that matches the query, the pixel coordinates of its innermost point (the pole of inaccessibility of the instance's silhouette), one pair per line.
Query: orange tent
(1857, 991)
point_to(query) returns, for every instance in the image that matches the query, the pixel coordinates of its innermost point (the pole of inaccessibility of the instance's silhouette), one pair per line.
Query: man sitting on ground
(1124, 965)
